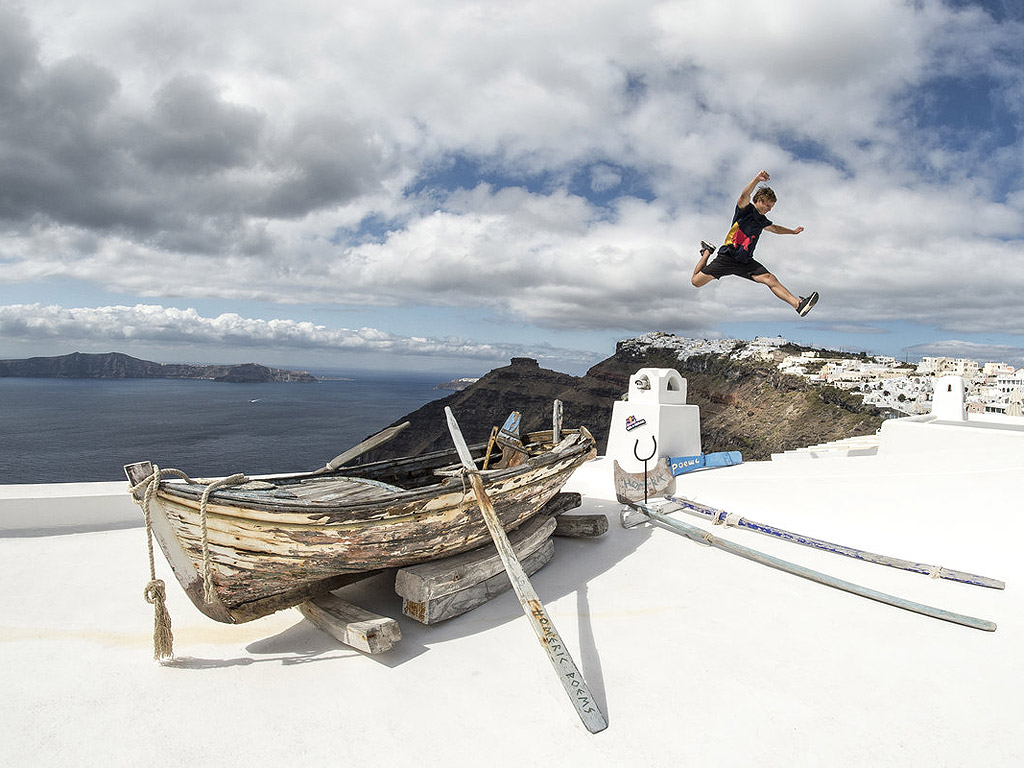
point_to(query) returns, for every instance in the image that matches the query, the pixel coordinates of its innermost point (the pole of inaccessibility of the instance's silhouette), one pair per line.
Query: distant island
(114, 365)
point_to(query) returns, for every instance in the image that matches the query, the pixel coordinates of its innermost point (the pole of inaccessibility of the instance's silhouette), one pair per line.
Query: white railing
(54, 508)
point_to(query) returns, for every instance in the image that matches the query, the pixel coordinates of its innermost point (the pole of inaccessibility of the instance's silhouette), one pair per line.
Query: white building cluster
(887, 383)
(883, 381)
(683, 347)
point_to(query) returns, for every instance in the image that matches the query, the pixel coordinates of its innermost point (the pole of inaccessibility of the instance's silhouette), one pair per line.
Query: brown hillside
(745, 406)
(750, 406)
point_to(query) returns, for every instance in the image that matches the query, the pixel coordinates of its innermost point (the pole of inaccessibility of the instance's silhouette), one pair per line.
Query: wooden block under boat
(454, 604)
(573, 526)
(351, 624)
(561, 502)
(424, 582)
(581, 526)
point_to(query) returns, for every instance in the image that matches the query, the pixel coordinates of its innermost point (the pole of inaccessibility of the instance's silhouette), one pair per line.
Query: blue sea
(84, 430)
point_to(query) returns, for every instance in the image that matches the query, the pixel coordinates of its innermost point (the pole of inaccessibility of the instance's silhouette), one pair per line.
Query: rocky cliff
(115, 365)
(745, 405)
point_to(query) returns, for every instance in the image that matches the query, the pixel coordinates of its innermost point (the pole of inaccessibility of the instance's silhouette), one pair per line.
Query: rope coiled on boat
(208, 592)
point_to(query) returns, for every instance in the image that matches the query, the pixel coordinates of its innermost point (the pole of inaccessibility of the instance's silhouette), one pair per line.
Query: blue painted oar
(701, 536)
(721, 517)
(678, 465)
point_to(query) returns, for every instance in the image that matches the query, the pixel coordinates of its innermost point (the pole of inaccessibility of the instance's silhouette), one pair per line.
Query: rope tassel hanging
(163, 638)
(156, 590)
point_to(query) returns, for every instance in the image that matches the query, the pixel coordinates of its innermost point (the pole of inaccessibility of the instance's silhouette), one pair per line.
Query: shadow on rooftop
(576, 565)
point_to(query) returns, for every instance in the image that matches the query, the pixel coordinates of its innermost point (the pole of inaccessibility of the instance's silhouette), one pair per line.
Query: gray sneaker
(806, 304)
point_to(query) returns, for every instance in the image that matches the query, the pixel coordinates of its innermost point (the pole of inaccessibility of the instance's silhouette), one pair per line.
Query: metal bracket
(631, 518)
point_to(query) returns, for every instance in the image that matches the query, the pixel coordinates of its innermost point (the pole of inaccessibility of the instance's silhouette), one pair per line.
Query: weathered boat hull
(293, 537)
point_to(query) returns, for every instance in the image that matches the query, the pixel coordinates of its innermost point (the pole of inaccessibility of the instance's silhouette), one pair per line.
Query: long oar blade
(568, 673)
(367, 445)
(465, 456)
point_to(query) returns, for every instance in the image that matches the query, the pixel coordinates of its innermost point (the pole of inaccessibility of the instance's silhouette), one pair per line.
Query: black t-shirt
(747, 224)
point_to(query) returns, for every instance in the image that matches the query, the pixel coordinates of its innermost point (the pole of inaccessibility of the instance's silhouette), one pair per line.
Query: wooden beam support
(351, 624)
(444, 607)
(581, 526)
(561, 502)
(420, 583)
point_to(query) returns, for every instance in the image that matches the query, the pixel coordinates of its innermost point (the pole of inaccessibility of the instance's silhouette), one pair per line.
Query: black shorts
(723, 264)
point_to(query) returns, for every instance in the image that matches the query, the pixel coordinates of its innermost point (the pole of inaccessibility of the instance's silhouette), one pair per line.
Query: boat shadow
(576, 565)
(301, 643)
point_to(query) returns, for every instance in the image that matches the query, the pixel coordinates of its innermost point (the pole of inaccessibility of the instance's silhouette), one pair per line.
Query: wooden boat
(278, 541)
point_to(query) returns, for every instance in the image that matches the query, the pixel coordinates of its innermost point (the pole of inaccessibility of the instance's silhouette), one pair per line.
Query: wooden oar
(701, 536)
(358, 450)
(568, 673)
(721, 517)
(629, 487)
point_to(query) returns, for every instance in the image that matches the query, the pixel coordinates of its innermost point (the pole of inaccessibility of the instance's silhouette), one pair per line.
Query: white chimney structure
(654, 421)
(949, 399)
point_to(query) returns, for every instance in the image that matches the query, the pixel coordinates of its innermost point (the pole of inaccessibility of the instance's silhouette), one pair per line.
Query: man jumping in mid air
(736, 256)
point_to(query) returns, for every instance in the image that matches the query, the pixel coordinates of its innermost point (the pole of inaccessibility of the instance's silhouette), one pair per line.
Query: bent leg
(702, 278)
(770, 280)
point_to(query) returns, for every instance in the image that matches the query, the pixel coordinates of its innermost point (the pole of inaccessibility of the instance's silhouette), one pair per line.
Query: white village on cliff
(882, 381)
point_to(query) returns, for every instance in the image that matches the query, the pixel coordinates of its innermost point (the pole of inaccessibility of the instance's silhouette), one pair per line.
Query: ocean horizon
(86, 430)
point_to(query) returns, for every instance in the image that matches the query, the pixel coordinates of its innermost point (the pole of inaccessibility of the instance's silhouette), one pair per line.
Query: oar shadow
(577, 562)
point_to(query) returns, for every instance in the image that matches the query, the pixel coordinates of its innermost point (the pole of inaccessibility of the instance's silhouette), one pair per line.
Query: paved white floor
(697, 657)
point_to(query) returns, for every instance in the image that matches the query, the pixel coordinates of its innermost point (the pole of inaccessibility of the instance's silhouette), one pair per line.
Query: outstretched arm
(777, 230)
(744, 198)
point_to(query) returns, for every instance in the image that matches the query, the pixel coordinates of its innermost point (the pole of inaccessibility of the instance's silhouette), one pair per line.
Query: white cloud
(213, 152)
(981, 353)
(145, 325)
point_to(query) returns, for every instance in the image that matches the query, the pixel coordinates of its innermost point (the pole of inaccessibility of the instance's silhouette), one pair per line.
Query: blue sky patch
(600, 181)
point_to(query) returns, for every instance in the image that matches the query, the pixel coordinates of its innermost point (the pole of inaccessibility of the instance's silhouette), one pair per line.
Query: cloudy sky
(443, 185)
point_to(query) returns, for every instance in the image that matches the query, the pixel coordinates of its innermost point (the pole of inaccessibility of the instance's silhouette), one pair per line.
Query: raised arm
(744, 198)
(775, 229)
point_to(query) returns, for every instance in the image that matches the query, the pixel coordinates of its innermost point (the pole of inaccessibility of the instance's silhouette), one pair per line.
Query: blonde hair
(765, 192)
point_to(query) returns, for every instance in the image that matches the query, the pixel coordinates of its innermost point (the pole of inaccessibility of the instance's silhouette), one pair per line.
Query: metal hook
(654, 451)
(636, 445)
